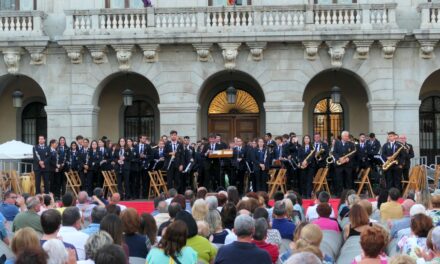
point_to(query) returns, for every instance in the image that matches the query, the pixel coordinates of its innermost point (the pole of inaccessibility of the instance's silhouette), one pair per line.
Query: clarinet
(57, 160)
(86, 166)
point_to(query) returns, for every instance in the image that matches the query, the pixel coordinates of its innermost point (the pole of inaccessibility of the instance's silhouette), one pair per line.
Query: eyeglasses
(13, 197)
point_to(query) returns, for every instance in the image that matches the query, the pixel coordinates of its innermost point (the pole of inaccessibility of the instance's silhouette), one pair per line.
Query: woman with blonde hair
(200, 210)
(24, 239)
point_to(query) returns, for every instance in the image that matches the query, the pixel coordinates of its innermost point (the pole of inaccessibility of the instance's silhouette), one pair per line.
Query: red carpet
(148, 206)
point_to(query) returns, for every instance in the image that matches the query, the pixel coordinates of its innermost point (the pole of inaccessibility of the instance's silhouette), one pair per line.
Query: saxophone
(318, 155)
(304, 166)
(339, 163)
(391, 161)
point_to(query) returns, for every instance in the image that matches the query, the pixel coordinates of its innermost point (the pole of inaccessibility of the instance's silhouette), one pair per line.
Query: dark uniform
(59, 184)
(344, 172)
(41, 153)
(394, 174)
(212, 177)
(174, 179)
(123, 157)
(306, 174)
(408, 154)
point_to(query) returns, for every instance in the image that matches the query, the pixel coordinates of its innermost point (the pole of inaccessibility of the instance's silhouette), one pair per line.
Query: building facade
(72, 60)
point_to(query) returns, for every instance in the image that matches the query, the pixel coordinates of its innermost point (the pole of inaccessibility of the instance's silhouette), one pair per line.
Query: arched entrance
(322, 115)
(117, 120)
(429, 117)
(27, 122)
(240, 119)
(244, 118)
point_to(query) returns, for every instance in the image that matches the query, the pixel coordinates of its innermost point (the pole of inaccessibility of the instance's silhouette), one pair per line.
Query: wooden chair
(110, 183)
(272, 173)
(365, 181)
(162, 177)
(320, 181)
(436, 176)
(279, 182)
(156, 184)
(15, 182)
(73, 182)
(413, 182)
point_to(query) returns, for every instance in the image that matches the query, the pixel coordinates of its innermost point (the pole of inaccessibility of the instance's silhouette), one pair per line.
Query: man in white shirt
(115, 199)
(70, 231)
(312, 214)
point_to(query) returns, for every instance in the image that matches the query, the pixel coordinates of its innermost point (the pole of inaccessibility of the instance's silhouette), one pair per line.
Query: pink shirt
(327, 224)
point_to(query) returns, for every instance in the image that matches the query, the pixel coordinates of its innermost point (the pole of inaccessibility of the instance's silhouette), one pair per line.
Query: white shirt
(122, 207)
(77, 238)
(312, 214)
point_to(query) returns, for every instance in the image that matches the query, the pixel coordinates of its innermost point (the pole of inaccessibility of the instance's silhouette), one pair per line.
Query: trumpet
(392, 160)
(339, 163)
(305, 163)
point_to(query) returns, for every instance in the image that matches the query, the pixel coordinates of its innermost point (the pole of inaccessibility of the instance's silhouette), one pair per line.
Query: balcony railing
(219, 19)
(430, 15)
(21, 23)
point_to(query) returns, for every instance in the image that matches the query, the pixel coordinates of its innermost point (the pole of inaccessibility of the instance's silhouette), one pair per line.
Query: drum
(26, 184)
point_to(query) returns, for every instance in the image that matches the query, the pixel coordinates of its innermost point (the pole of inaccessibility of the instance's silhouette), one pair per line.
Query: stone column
(407, 122)
(58, 123)
(181, 117)
(284, 117)
(381, 115)
(84, 120)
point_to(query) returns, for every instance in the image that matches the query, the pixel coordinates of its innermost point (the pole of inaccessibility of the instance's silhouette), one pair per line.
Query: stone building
(68, 63)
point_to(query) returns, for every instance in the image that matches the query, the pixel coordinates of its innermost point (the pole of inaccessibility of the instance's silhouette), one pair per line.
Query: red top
(270, 248)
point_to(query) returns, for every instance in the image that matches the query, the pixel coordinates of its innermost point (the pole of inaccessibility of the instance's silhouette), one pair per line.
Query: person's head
(32, 255)
(212, 202)
(201, 193)
(47, 200)
(345, 136)
(71, 217)
(435, 238)
(244, 226)
(278, 196)
(222, 198)
(406, 206)
(324, 210)
(228, 214)
(173, 209)
(310, 234)
(191, 224)
(200, 209)
(95, 242)
(33, 204)
(10, 197)
(110, 254)
(261, 213)
(50, 221)
(173, 135)
(148, 226)
(394, 194)
(372, 241)
(402, 259)
(189, 195)
(358, 216)
(344, 194)
(41, 140)
(261, 227)
(233, 195)
(113, 209)
(112, 224)
(83, 197)
(362, 137)
(435, 201)
(203, 229)
(174, 238)
(391, 136)
(67, 199)
(180, 199)
(323, 197)
(420, 225)
(382, 197)
(352, 199)
(366, 205)
(130, 221)
(214, 221)
(279, 209)
(56, 251)
(303, 258)
(85, 143)
(98, 213)
(24, 238)
(115, 198)
(162, 207)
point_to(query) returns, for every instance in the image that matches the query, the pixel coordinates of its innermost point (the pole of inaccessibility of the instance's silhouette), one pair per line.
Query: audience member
(273, 235)
(280, 221)
(312, 214)
(11, 205)
(32, 256)
(163, 215)
(29, 218)
(359, 221)
(324, 221)
(137, 246)
(391, 209)
(115, 199)
(200, 210)
(373, 243)
(260, 236)
(113, 254)
(24, 239)
(70, 231)
(98, 213)
(404, 222)
(148, 227)
(94, 243)
(173, 209)
(67, 200)
(420, 226)
(304, 258)
(112, 224)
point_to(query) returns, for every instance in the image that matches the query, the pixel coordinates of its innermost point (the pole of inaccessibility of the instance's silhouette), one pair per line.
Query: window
(23, 5)
(328, 118)
(138, 120)
(34, 122)
(229, 2)
(124, 4)
(429, 117)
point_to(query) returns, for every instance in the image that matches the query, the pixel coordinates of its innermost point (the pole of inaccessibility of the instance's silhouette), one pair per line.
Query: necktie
(317, 147)
(174, 147)
(307, 149)
(160, 153)
(239, 149)
(392, 147)
(142, 148)
(212, 147)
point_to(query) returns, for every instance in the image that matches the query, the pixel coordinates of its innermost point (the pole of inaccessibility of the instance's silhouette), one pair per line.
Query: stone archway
(237, 119)
(116, 120)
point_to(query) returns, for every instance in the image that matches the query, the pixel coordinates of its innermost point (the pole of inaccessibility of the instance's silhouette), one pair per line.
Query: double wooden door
(229, 126)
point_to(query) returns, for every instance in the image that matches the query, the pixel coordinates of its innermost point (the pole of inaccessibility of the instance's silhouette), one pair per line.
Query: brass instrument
(318, 155)
(305, 160)
(330, 159)
(344, 157)
(392, 160)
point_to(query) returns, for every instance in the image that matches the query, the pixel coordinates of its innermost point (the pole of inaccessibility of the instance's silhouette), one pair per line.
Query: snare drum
(26, 184)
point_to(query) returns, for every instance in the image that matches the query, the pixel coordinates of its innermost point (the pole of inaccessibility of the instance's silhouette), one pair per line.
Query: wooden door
(229, 126)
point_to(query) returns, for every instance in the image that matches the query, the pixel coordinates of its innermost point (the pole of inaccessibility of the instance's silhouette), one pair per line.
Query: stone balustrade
(430, 15)
(21, 23)
(243, 18)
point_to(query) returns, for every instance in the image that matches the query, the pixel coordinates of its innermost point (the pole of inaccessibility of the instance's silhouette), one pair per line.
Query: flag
(231, 2)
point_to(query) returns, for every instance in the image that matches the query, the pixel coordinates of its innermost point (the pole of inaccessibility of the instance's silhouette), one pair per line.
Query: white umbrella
(15, 150)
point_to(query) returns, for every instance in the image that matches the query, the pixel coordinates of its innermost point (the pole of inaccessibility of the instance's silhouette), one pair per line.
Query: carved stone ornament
(427, 48)
(311, 49)
(75, 53)
(337, 51)
(98, 53)
(256, 50)
(203, 51)
(151, 52)
(12, 59)
(38, 55)
(230, 53)
(362, 49)
(123, 54)
(388, 48)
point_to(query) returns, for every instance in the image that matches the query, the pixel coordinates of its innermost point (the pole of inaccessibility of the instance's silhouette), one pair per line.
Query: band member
(218, 139)
(105, 163)
(79, 142)
(408, 154)
(343, 152)
(41, 154)
(260, 158)
(114, 154)
(123, 167)
(307, 164)
(72, 161)
(374, 146)
(393, 175)
(212, 177)
(145, 157)
(51, 165)
(293, 148)
(268, 139)
(188, 162)
(59, 184)
(279, 152)
(158, 156)
(84, 162)
(173, 161)
(363, 153)
(321, 150)
(134, 169)
(91, 173)
(239, 164)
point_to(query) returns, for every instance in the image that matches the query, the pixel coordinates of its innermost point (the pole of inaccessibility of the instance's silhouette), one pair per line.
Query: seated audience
(57, 253)
(405, 222)
(11, 205)
(200, 210)
(29, 218)
(214, 221)
(434, 212)
(420, 226)
(148, 228)
(359, 221)
(24, 239)
(312, 214)
(94, 243)
(373, 243)
(173, 209)
(324, 221)
(70, 231)
(32, 256)
(162, 216)
(67, 201)
(391, 209)
(273, 235)
(280, 221)
(137, 246)
(112, 224)
(115, 199)
(260, 236)
(113, 254)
